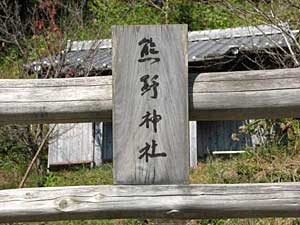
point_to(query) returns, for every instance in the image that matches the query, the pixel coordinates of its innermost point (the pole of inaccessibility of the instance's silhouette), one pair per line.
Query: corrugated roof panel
(237, 32)
(218, 49)
(203, 45)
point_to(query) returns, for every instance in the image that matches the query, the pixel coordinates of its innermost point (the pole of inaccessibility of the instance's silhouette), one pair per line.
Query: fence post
(150, 104)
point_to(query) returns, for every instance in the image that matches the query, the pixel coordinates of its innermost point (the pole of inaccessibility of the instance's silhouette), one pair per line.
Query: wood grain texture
(55, 100)
(193, 144)
(150, 201)
(71, 142)
(229, 96)
(212, 96)
(98, 143)
(169, 163)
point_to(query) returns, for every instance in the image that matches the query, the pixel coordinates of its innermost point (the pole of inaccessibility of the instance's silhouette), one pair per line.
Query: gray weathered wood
(167, 201)
(130, 106)
(55, 100)
(98, 143)
(193, 144)
(212, 96)
(71, 144)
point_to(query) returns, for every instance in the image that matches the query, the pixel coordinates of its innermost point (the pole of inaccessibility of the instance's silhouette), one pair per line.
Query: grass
(265, 165)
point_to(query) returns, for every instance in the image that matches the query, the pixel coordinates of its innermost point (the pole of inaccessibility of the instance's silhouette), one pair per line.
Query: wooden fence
(253, 94)
(213, 96)
(151, 201)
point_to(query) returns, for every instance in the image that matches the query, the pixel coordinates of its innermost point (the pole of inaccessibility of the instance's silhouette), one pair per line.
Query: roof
(96, 55)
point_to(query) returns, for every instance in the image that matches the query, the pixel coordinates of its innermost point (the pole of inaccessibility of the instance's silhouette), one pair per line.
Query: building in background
(233, 49)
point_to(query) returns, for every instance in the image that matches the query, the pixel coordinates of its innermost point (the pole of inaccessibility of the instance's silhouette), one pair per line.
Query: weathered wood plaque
(150, 104)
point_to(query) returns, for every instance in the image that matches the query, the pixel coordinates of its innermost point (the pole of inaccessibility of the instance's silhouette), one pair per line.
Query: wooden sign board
(150, 104)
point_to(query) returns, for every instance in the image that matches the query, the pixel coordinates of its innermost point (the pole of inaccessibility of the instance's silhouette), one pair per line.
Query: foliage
(10, 64)
(197, 14)
(11, 151)
(109, 13)
(201, 16)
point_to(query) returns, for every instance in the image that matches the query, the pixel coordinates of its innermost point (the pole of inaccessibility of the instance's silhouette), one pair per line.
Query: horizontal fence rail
(172, 202)
(212, 96)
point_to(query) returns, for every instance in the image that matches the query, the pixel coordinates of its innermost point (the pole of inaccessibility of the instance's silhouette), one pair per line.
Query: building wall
(87, 142)
(92, 143)
(103, 141)
(219, 136)
(71, 143)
